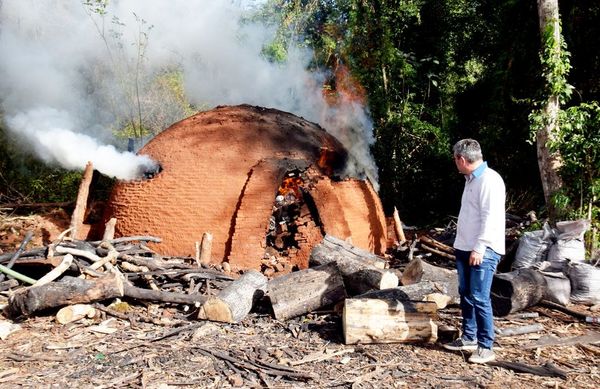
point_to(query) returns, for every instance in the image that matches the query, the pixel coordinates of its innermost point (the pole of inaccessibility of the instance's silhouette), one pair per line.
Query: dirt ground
(162, 346)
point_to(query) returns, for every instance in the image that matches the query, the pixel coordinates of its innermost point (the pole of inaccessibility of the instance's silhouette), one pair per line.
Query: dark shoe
(482, 355)
(461, 344)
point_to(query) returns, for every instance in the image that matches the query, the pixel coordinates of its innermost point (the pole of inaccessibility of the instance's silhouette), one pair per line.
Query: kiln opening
(152, 171)
(293, 213)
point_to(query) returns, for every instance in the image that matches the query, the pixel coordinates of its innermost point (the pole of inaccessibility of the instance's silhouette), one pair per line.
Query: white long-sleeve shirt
(482, 217)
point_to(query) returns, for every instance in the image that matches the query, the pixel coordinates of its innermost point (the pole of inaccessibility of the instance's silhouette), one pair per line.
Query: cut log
(303, 291)
(359, 276)
(81, 203)
(388, 321)
(69, 290)
(336, 247)
(418, 270)
(367, 279)
(233, 303)
(517, 290)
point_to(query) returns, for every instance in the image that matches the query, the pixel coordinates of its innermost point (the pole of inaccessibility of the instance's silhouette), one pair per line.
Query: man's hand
(475, 258)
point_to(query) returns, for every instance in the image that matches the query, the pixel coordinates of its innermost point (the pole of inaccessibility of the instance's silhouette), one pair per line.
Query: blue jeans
(474, 284)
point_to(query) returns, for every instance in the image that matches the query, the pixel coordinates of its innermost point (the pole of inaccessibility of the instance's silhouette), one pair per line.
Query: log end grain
(388, 321)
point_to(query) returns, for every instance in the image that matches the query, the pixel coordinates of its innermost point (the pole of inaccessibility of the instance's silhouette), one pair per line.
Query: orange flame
(291, 184)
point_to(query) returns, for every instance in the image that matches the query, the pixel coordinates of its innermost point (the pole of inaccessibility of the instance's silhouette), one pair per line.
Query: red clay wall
(363, 213)
(352, 209)
(252, 217)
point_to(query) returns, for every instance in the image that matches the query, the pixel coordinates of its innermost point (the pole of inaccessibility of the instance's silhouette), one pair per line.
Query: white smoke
(56, 141)
(54, 57)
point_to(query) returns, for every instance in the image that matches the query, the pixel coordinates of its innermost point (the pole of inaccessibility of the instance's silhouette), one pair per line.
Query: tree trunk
(233, 303)
(303, 291)
(388, 321)
(517, 290)
(549, 162)
(69, 290)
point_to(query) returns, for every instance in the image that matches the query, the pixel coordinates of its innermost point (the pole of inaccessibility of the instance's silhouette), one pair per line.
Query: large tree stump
(359, 275)
(388, 321)
(232, 304)
(517, 290)
(418, 270)
(69, 290)
(303, 291)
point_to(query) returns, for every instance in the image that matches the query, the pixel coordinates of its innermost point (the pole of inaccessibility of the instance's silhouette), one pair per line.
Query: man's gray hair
(469, 149)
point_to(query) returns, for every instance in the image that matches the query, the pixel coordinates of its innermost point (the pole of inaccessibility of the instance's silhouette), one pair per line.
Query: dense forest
(430, 72)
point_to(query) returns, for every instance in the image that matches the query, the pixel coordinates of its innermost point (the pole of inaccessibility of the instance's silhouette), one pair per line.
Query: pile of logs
(355, 282)
(374, 308)
(85, 272)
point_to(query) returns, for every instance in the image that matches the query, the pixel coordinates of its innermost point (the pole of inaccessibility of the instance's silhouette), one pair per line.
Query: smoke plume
(70, 72)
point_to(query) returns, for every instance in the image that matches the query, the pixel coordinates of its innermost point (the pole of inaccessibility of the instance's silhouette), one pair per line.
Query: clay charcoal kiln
(263, 182)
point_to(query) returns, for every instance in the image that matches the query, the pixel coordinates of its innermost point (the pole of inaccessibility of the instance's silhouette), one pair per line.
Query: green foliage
(577, 141)
(555, 60)
(556, 65)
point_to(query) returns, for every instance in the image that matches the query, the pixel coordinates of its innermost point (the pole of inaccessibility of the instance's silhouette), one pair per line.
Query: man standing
(478, 246)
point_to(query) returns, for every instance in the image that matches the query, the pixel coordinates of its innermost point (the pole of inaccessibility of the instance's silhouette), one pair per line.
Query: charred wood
(517, 290)
(162, 296)
(422, 291)
(67, 291)
(546, 370)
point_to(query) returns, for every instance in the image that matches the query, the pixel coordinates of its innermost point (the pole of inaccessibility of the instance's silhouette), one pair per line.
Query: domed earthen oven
(263, 182)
